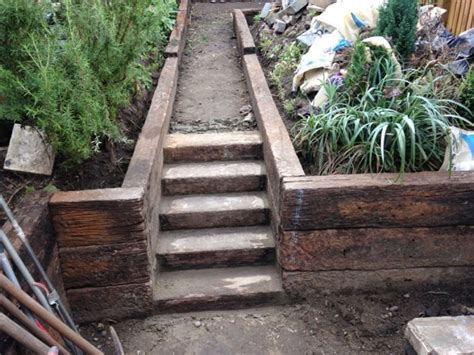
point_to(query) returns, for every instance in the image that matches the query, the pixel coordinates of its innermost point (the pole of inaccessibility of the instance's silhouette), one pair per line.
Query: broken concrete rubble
(296, 6)
(279, 26)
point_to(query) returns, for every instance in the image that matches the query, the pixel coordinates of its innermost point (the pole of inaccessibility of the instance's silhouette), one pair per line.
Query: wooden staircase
(216, 248)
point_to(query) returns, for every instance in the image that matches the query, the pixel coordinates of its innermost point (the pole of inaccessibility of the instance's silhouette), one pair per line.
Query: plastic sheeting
(338, 26)
(465, 44)
(460, 152)
(349, 17)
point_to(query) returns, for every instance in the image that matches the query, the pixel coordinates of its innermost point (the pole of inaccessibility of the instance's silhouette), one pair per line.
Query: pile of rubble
(289, 12)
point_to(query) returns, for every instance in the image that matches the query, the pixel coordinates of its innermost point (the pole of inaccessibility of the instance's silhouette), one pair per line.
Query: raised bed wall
(358, 232)
(105, 235)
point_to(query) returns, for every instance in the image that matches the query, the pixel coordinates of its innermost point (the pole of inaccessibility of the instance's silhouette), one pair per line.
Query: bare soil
(212, 94)
(351, 324)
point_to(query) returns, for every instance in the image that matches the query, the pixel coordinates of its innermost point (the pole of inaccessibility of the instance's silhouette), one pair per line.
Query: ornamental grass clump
(392, 124)
(67, 67)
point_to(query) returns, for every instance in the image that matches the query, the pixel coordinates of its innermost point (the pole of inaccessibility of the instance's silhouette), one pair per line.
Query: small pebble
(393, 309)
(197, 324)
(406, 295)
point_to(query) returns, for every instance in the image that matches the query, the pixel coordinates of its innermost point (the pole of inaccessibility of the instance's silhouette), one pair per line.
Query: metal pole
(8, 270)
(53, 298)
(20, 316)
(47, 317)
(24, 271)
(21, 335)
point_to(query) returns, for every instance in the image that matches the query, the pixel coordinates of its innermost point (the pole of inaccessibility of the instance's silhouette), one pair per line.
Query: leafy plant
(467, 92)
(69, 68)
(288, 61)
(398, 20)
(395, 125)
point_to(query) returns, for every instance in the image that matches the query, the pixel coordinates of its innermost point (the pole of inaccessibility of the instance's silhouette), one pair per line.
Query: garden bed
(104, 220)
(363, 232)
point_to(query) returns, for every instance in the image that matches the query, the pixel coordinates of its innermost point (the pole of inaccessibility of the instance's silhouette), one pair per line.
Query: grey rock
(29, 152)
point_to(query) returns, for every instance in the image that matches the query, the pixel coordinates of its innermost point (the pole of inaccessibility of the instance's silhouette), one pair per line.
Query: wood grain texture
(307, 284)
(105, 265)
(98, 217)
(280, 156)
(355, 201)
(375, 249)
(147, 160)
(245, 42)
(177, 38)
(112, 302)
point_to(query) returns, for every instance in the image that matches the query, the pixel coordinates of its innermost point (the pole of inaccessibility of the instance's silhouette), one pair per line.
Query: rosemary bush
(67, 67)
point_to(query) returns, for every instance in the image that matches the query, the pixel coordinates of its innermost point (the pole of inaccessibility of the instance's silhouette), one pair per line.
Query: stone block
(441, 335)
(29, 152)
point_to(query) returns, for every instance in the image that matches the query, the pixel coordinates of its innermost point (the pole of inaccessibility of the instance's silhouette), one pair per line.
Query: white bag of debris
(349, 17)
(460, 154)
(315, 64)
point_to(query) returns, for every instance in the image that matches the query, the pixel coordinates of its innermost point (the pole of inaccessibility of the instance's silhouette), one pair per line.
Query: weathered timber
(219, 247)
(177, 40)
(373, 249)
(245, 40)
(308, 283)
(280, 156)
(217, 210)
(111, 302)
(98, 217)
(184, 5)
(383, 201)
(105, 265)
(197, 290)
(146, 164)
(213, 177)
(185, 148)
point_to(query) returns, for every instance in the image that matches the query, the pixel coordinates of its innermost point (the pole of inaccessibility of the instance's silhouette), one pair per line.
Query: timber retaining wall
(356, 233)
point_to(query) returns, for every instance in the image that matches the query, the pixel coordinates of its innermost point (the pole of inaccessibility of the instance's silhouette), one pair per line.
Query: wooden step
(219, 247)
(197, 290)
(179, 148)
(213, 177)
(209, 211)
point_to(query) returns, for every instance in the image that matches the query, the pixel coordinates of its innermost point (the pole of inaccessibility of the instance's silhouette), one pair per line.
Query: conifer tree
(398, 20)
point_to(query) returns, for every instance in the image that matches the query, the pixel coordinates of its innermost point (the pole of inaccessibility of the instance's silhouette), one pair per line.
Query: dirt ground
(212, 95)
(350, 324)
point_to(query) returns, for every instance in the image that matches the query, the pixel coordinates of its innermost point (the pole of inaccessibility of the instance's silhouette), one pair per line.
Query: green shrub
(467, 92)
(71, 76)
(288, 60)
(396, 125)
(398, 20)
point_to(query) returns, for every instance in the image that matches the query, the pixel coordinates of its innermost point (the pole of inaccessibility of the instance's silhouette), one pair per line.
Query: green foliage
(467, 92)
(288, 61)
(395, 125)
(70, 76)
(357, 71)
(398, 20)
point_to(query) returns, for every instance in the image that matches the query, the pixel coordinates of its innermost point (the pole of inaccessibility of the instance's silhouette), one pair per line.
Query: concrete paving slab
(29, 152)
(441, 335)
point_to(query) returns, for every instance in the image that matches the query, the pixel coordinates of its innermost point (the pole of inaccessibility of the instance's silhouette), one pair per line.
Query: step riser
(215, 259)
(213, 153)
(214, 219)
(226, 302)
(212, 185)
